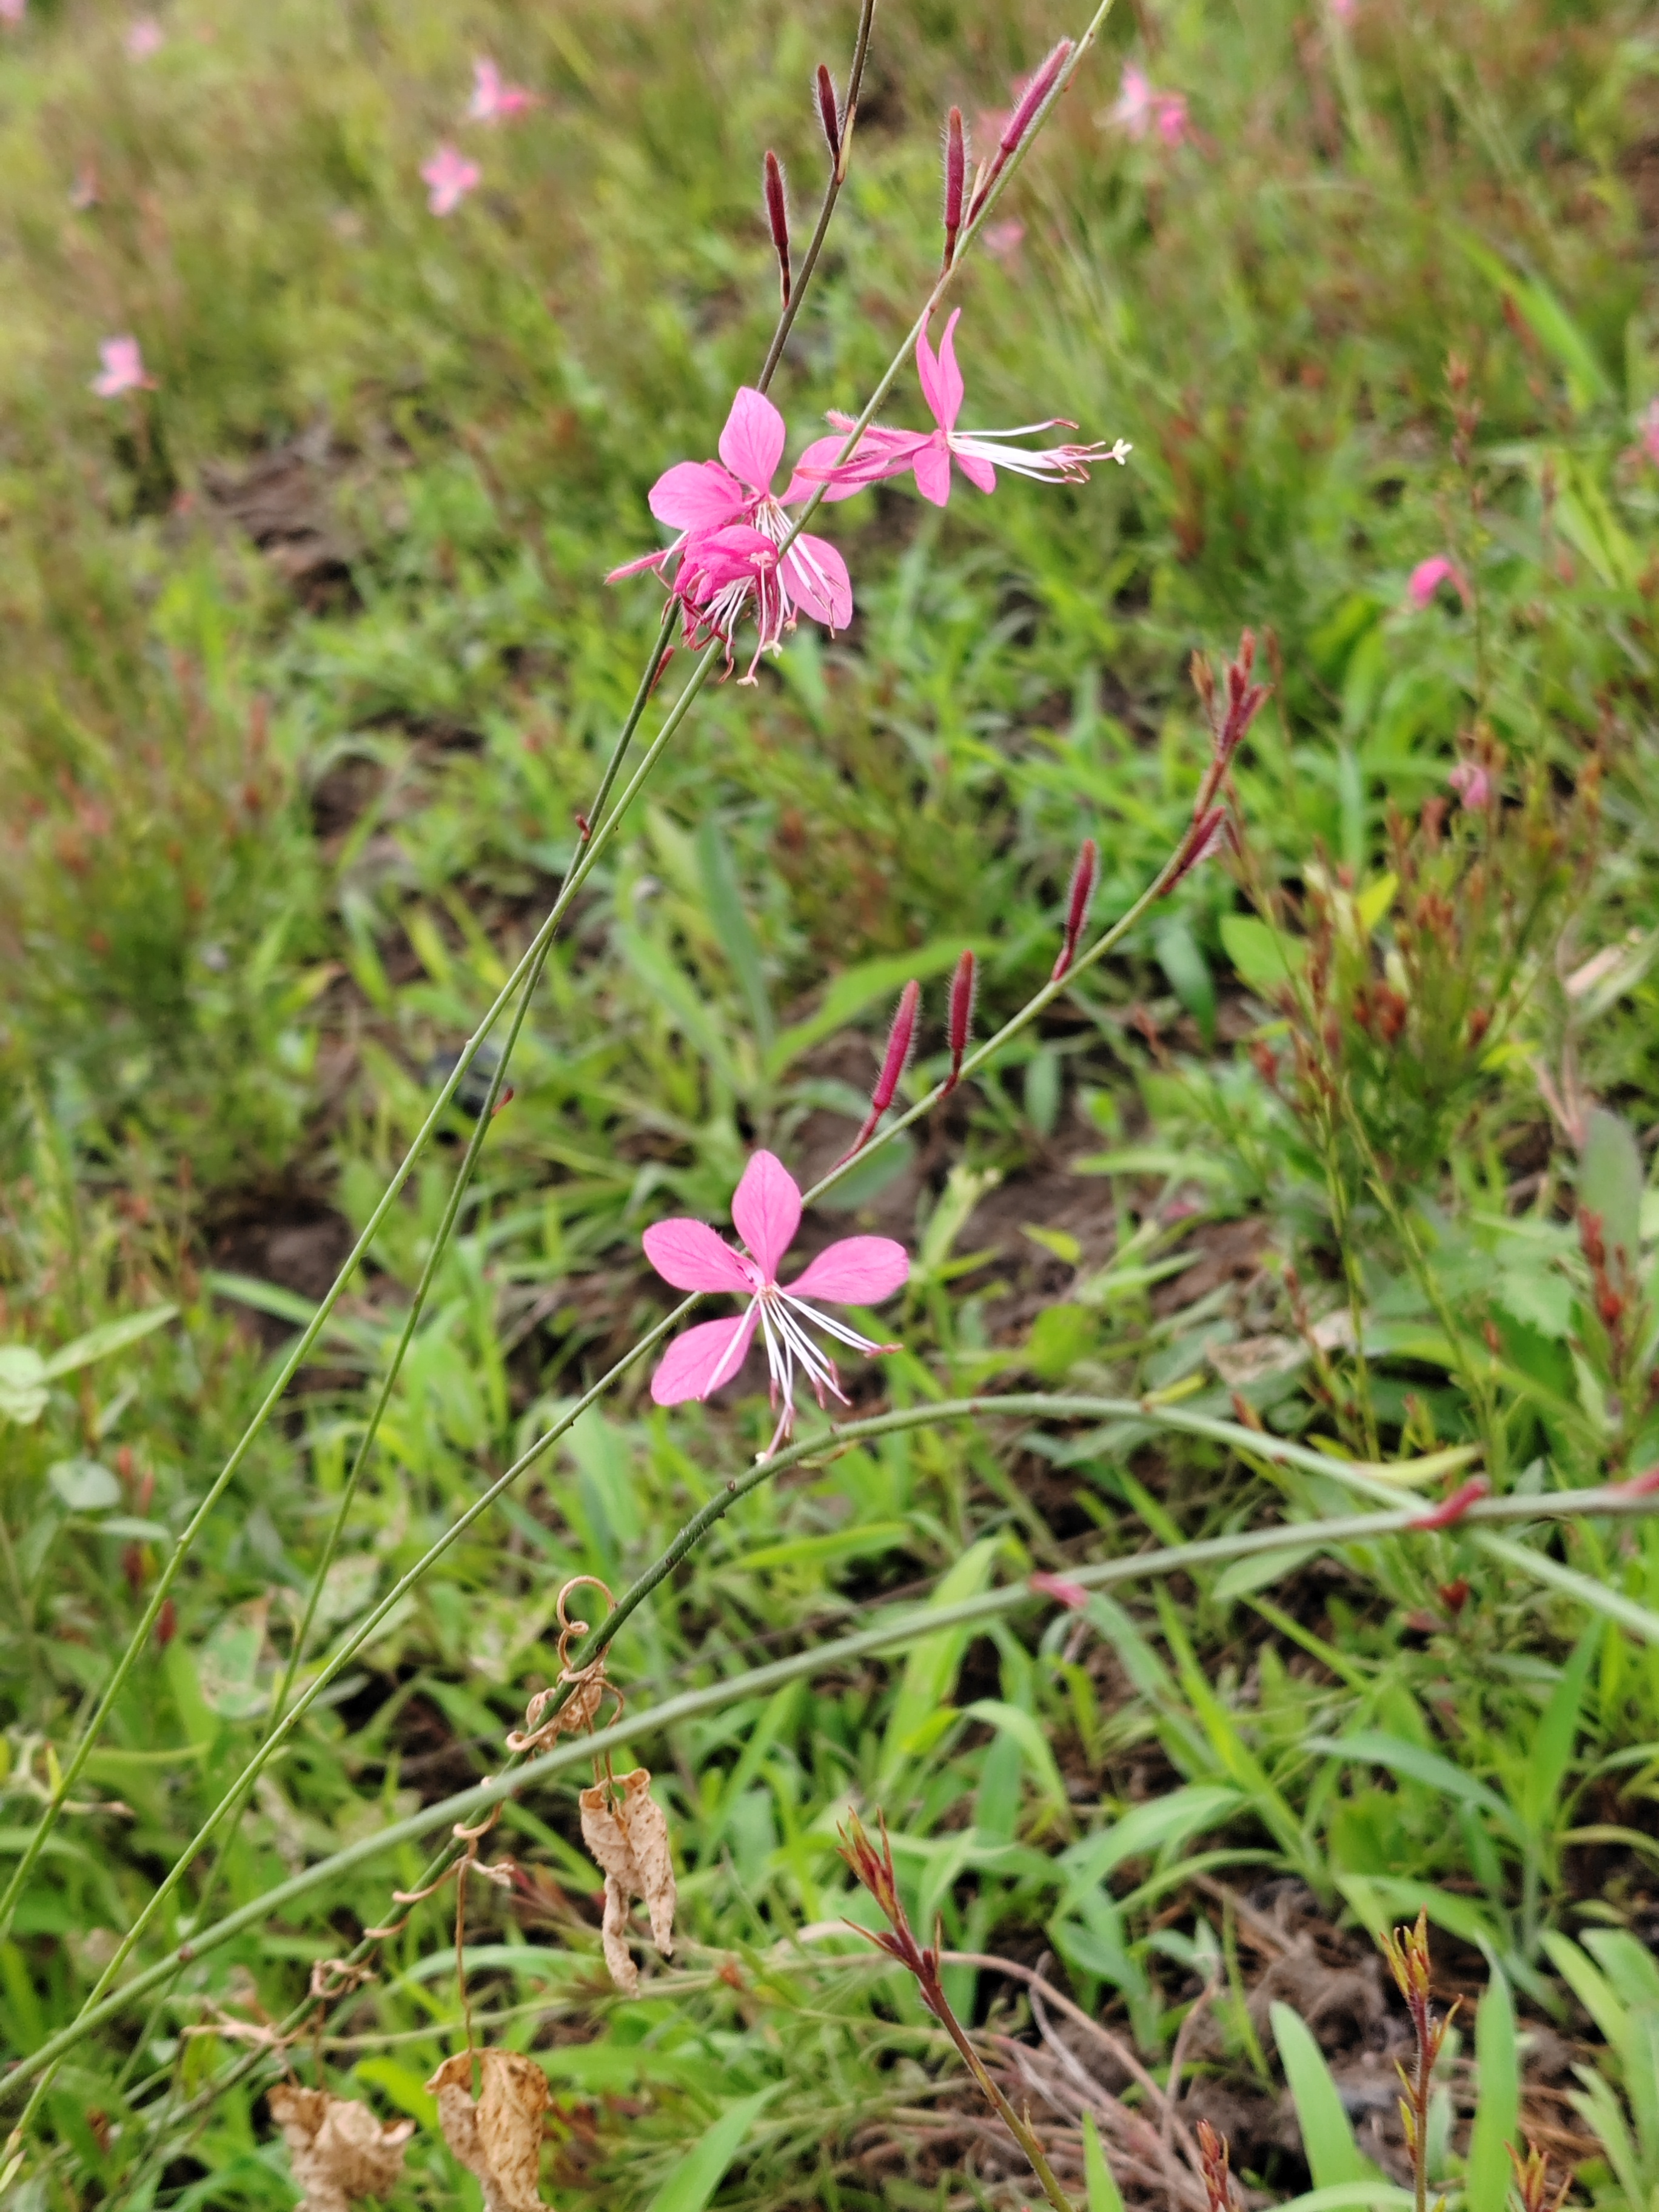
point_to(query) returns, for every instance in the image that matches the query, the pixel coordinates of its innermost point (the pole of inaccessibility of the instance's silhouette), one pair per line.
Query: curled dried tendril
(584, 1687)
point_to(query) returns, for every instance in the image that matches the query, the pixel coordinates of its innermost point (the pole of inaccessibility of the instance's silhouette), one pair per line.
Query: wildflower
(448, 177)
(978, 453)
(1472, 783)
(1429, 576)
(494, 101)
(732, 526)
(144, 37)
(766, 1212)
(1140, 109)
(122, 369)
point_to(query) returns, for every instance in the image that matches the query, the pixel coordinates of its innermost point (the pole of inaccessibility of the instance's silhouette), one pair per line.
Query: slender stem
(831, 194)
(933, 1990)
(1605, 1504)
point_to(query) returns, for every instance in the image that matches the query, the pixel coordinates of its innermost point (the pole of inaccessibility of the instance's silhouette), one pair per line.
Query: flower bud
(777, 217)
(963, 985)
(900, 1038)
(956, 171)
(1024, 114)
(828, 111)
(1077, 903)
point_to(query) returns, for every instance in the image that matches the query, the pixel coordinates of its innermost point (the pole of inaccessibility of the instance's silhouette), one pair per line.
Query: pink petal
(766, 1208)
(860, 1271)
(653, 560)
(702, 1358)
(932, 467)
(941, 379)
(697, 495)
(690, 1256)
(751, 444)
(979, 471)
(818, 582)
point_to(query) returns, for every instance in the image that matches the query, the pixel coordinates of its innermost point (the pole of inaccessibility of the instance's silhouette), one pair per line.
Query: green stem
(916, 1622)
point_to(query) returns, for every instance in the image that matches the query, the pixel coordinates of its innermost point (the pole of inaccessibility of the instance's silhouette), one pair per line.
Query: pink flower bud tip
(1472, 785)
(1060, 1588)
(956, 174)
(900, 1039)
(777, 217)
(963, 986)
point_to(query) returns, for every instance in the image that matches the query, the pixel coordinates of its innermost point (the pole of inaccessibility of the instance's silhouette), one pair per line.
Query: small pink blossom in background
(1140, 109)
(1429, 576)
(978, 453)
(1060, 1588)
(448, 177)
(84, 193)
(122, 369)
(144, 37)
(766, 1213)
(732, 523)
(1003, 241)
(1471, 784)
(11, 11)
(494, 101)
(1344, 10)
(1647, 431)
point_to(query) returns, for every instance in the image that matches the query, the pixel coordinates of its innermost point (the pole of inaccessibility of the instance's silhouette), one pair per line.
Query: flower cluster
(736, 547)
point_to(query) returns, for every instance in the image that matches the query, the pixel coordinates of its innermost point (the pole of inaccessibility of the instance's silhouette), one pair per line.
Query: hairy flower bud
(900, 1038)
(1024, 114)
(1077, 906)
(963, 985)
(777, 217)
(956, 172)
(828, 111)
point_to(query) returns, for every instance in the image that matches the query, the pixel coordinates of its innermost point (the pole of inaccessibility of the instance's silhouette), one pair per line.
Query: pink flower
(1471, 784)
(122, 369)
(1344, 10)
(1429, 576)
(448, 177)
(84, 193)
(1003, 241)
(766, 1212)
(1060, 1588)
(977, 454)
(720, 509)
(144, 37)
(11, 11)
(1647, 430)
(494, 101)
(1140, 109)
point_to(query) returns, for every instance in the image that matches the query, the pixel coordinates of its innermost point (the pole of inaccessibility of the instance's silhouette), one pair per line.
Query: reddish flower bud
(900, 1039)
(1643, 1484)
(1077, 906)
(963, 985)
(1453, 1508)
(956, 172)
(1072, 1595)
(777, 215)
(1454, 1595)
(828, 111)
(1024, 114)
(1206, 835)
(167, 1623)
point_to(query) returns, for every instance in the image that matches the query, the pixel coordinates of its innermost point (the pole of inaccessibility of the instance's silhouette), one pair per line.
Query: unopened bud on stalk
(828, 111)
(1077, 905)
(900, 1038)
(777, 214)
(955, 173)
(963, 985)
(1024, 114)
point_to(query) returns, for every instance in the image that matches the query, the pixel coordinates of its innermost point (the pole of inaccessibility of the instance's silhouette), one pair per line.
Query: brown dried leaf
(498, 2138)
(631, 1842)
(338, 2148)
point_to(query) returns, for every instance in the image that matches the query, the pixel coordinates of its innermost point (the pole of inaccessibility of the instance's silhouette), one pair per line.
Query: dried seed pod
(629, 1840)
(337, 2148)
(498, 2138)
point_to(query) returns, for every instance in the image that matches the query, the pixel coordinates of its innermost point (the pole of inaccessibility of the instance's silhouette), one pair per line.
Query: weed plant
(1250, 1546)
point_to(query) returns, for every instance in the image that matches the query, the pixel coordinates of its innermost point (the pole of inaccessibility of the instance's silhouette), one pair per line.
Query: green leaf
(1551, 1752)
(1612, 1604)
(23, 1392)
(1327, 2138)
(696, 2178)
(1146, 1829)
(1182, 958)
(930, 1672)
(829, 1550)
(1372, 1748)
(1025, 1732)
(1497, 2113)
(403, 2086)
(1104, 2194)
(1266, 959)
(111, 1336)
(857, 988)
(1256, 1572)
(731, 926)
(84, 1486)
(1548, 321)
(1610, 1178)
